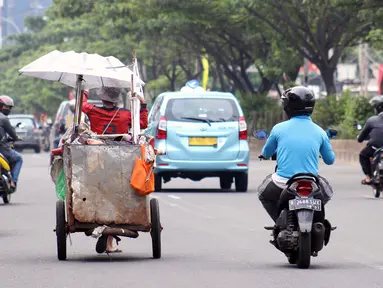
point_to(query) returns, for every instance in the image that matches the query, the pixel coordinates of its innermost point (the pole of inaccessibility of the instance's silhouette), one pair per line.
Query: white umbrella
(96, 70)
(82, 71)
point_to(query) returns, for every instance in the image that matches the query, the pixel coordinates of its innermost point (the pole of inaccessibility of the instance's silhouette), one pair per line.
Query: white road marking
(174, 196)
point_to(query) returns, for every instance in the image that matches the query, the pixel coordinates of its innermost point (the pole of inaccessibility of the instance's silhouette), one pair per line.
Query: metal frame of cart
(140, 213)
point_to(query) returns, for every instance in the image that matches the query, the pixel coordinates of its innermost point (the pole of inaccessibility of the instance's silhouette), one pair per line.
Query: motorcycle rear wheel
(304, 250)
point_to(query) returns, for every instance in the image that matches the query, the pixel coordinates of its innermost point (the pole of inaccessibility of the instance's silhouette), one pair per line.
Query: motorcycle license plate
(305, 203)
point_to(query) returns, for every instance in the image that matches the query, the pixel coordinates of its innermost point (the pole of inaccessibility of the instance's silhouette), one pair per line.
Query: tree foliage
(171, 37)
(315, 27)
(342, 113)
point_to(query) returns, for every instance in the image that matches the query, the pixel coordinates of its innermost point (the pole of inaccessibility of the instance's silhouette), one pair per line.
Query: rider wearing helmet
(373, 132)
(6, 130)
(49, 122)
(297, 143)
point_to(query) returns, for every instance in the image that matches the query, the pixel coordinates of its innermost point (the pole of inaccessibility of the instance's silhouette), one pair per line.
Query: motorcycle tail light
(304, 188)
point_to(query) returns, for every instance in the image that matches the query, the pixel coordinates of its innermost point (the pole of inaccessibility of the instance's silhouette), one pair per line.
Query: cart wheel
(156, 228)
(61, 230)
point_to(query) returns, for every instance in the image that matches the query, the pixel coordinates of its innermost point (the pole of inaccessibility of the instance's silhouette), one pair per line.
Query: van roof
(211, 94)
(21, 116)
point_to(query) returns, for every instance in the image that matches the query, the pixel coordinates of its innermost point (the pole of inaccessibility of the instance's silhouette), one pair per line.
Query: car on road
(204, 134)
(64, 117)
(30, 132)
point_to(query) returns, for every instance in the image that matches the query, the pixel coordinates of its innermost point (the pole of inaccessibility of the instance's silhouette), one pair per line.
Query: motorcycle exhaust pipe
(317, 239)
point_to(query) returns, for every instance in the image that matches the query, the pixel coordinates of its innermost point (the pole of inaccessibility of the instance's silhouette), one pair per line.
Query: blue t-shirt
(298, 143)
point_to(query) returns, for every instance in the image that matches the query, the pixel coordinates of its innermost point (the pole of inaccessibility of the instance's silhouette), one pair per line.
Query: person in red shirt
(111, 119)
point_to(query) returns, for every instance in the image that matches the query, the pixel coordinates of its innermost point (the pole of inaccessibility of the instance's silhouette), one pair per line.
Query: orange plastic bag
(142, 176)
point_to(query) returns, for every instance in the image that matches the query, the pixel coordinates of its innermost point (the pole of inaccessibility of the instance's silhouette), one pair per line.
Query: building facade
(13, 13)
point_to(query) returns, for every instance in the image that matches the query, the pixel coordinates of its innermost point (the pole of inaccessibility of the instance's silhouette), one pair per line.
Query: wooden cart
(99, 194)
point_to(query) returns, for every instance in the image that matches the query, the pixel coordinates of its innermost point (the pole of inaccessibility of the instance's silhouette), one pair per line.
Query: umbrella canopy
(97, 71)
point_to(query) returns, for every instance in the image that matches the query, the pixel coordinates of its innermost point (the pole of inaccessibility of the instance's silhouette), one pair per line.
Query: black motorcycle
(376, 167)
(301, 230)
(377, 174)
(5, 173)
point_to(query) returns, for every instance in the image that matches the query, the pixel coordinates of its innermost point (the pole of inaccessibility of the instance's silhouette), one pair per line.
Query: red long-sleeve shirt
(100, 117)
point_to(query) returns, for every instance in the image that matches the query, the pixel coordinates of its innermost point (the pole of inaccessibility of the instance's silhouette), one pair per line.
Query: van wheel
(225, 182)
(157, 183)
(241, 181)
(304, 250)
(37, 149)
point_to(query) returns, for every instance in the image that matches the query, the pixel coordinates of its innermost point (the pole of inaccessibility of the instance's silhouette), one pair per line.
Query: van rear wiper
(197, 119)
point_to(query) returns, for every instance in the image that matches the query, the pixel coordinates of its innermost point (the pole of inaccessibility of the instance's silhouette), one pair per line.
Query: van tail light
(242, 128)
(304, 188)
(161, 130)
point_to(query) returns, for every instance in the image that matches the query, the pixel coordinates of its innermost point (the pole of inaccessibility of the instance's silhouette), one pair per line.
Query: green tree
(314, 28)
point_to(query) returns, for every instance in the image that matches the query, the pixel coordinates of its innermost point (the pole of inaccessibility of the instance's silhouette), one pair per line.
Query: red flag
(380, 80)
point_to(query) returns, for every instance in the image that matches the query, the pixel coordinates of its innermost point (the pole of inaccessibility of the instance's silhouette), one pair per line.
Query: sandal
(113, 251)
(364, 182)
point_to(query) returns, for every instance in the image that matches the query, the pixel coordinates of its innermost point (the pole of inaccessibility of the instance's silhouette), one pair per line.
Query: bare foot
(110, 248)
(367, 180)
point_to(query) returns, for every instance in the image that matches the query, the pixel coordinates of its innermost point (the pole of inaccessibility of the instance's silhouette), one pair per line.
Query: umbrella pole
(135, 103)
(77, 115)
(132, 110)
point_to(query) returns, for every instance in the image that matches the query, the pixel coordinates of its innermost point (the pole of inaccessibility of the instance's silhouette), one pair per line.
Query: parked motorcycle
(301, 230)
(5, 174)
(376, 166)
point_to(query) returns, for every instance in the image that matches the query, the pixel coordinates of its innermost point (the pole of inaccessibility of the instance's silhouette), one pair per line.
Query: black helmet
(298, 101)
(377, 103)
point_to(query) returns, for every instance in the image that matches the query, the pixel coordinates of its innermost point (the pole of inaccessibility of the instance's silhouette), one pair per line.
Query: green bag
(61, 186)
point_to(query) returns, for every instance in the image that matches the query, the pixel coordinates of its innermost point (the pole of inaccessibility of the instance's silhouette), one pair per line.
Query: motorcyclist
(373, 132)
(110, 119)
(65, 123)
(6, 131)
(46, 133)
(297, 143)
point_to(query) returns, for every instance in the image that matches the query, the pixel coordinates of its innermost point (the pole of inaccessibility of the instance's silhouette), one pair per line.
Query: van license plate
(202, 141)
(305, 203)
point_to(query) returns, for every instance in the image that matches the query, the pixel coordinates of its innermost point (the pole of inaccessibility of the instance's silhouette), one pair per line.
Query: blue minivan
(204, 134)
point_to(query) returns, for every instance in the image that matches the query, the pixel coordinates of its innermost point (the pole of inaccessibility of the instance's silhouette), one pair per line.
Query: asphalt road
(210, 239)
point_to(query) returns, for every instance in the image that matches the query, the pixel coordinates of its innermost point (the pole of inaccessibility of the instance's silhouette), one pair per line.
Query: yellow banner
(205, 73)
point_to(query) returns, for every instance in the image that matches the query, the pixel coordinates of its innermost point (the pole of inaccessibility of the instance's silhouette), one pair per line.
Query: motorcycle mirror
(19, 125)
(331, 133)
(260, 134)
(357, 125)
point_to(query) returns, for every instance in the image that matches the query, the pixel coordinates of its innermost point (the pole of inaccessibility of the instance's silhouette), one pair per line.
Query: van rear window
(197, 109)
